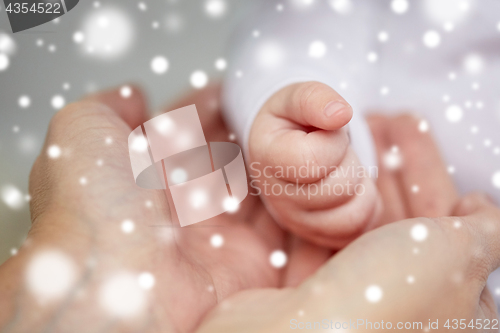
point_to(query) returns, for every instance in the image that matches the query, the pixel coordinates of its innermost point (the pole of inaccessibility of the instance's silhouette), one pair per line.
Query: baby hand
(307, 173)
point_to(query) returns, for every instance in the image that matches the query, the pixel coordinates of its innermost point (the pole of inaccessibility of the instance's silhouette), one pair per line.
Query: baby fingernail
(335, 108)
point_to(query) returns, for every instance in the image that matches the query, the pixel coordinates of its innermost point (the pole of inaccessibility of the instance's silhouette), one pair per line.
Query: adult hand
(78, 268)
(413, 272)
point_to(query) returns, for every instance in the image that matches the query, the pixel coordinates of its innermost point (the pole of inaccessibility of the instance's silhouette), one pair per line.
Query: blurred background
(165, 46)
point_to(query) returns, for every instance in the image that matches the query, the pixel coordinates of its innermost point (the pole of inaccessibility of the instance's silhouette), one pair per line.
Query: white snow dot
(52, 48)
(383, 36)
(270, 54)
(300, 4)
(178, 176)
(24, 101)
(448, 26)
(66, 86)
(373, 294)
(372, 57)
(317, 49)
(159, 65)
(198, 199)
(450, 11)
(108, 140)
(473, 64)
(341, 6)
(13, 251)
(278, 259)
(122, 296)
(7, 44)
(400, 6)
(217, 240)
(384, 90)
(256, 33)
(54, 151)
(4, 62)
(392, 159)
(50, 274)
(410, 279)
(165, 125)
(454, 113)
(221, 64)
(419, 232)
(78, 37)
(496, 179)
(415, 188)
(215, 8)
(423, 126)
(83, 181)
(452, 76)
(146, 280)
(57, 102)
(142, 6)
(128, 226)
(126, 91)
(431, 39)
(231, 205)
(139, 144)
(457, 224)
(12, 197)
(199, 79)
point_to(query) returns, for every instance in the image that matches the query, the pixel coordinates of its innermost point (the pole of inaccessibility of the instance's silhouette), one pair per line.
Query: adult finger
(387, 182)
(304, 260)
(128, 102)
(426, 185)
(207, 103)
(480, 219)
(86, 156)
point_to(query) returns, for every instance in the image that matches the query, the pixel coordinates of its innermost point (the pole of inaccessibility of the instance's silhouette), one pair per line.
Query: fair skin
(303, 127)
(248, 294)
